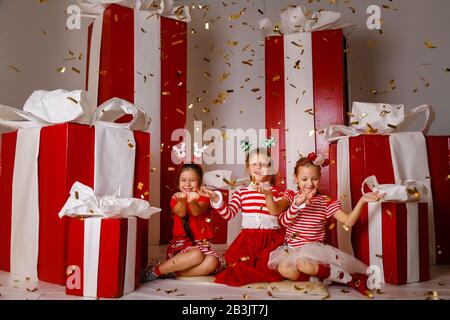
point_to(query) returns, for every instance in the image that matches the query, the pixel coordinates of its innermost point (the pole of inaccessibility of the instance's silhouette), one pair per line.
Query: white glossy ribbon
(92, 232)
(83, 202)
(377, 118)
(376, 239)
(295, 20)
(25, 205)
(412, 190)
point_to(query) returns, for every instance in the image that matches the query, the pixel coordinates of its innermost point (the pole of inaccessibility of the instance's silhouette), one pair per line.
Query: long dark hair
(199, 172)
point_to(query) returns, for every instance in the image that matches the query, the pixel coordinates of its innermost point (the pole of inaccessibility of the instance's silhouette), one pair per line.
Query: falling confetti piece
(62, 69)
(76, 70)
(171, 291)
(207, 25)
(297, 65)
(245, 296)
(72, 99)
(206, 110)
(332, 226)
(232, 43)
(44, 32)
(140, 186)
(14, 68)
(389, 213)
(429, 45)
(177, 42)
(180, 111)
(276, 78)
(165, 93)
(32, 290)
(248, 62)
(131, 145)
(346, 228)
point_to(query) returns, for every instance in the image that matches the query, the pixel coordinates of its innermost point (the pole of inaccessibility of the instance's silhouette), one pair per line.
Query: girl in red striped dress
(247, 256)
(305, 215)
(189, 253)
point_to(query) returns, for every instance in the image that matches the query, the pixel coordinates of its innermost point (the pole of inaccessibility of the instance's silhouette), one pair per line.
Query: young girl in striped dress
(247, 256)
(305, 215)
(189, 253)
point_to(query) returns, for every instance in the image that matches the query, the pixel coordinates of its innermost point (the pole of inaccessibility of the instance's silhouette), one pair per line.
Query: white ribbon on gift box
(380, 118)
(412, 190)
(83, 202)
(405, 167)
(295, 19)
(144, 44)
(111, 151)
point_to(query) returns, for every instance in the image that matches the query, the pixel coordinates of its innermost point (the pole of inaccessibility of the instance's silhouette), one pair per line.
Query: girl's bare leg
(206, 267)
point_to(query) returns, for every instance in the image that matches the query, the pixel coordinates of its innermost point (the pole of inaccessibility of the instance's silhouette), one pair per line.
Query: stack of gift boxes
(305, 93)
(67, 153)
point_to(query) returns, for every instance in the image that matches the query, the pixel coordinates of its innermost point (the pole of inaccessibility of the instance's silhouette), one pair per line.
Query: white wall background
(33, 38)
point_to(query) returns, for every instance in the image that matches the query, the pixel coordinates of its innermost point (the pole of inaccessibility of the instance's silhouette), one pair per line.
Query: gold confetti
(143, 30)
(379, 256)
(72, 99)
(206, 59)
(44, 32)
(76, 70)
(371, 129)
(255, 90)
(232, 43)
(207, 25)
(218, 298)
(391, 126)
(433, 295)
(244, 258)
(177, 42)
(373, 91)
(31, 290)
(62, 69)
(77, 195)
(389, 213)
(14, 68)
(276, 78)
(131, 145)
(311, 133)
(429, 45)
(297, 65)
(446, 70)
(332, 226)
(248, 62)
(345, 228)
(140, 186)
(246, 47)
(180, 111)
(206, 110)
(245, 296)
(165, 93)
(170, 169)
(171, 291)
(208, 220)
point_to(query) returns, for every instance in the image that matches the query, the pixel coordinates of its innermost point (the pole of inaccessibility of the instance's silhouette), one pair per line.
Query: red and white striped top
(248, 201)
(308, 224)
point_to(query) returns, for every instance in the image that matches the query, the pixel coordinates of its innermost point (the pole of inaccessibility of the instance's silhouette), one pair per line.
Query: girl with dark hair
(189, 253)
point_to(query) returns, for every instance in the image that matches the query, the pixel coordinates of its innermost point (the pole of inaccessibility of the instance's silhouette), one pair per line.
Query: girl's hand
(192, 196)
(304, 197)
(264, 188)
(372, 196)
(208, 193)
(180, 196)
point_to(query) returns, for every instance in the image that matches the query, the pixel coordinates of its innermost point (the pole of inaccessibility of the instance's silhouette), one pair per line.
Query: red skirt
(248, 256)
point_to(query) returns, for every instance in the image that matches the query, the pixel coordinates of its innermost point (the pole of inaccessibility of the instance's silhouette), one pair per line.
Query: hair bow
(318, 159)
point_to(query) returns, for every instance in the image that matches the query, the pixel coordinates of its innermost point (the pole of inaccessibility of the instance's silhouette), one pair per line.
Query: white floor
(17, 288)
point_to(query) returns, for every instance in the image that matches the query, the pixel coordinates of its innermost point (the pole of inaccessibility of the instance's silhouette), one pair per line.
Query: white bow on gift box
(411, 190)
(92, 8)
(380, 118)
(83, 202)
(45, 108)
(296, 19)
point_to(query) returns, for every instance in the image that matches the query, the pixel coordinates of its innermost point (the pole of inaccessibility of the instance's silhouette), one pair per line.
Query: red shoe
(359, 283)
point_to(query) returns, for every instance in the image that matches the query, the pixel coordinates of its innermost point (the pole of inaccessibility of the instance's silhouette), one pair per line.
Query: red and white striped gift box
(305, 91)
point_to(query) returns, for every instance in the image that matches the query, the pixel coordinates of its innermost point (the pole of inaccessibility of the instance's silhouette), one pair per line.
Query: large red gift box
(66, 155)
(103, 257)
(370, 155)
(305, 92)
(143, 59)
(438, 148)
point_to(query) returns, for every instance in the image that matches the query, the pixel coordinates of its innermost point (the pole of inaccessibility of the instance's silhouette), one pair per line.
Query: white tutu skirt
(317, 252)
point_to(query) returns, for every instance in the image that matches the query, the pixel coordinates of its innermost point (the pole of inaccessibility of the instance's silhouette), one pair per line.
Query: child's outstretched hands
(180, 196)
(264, 188)
(304, 197)
(192, 196)
(372, 196)
(203, 191)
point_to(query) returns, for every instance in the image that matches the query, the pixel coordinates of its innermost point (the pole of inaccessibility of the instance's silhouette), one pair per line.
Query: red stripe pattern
(245, 200)
(308, 224)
